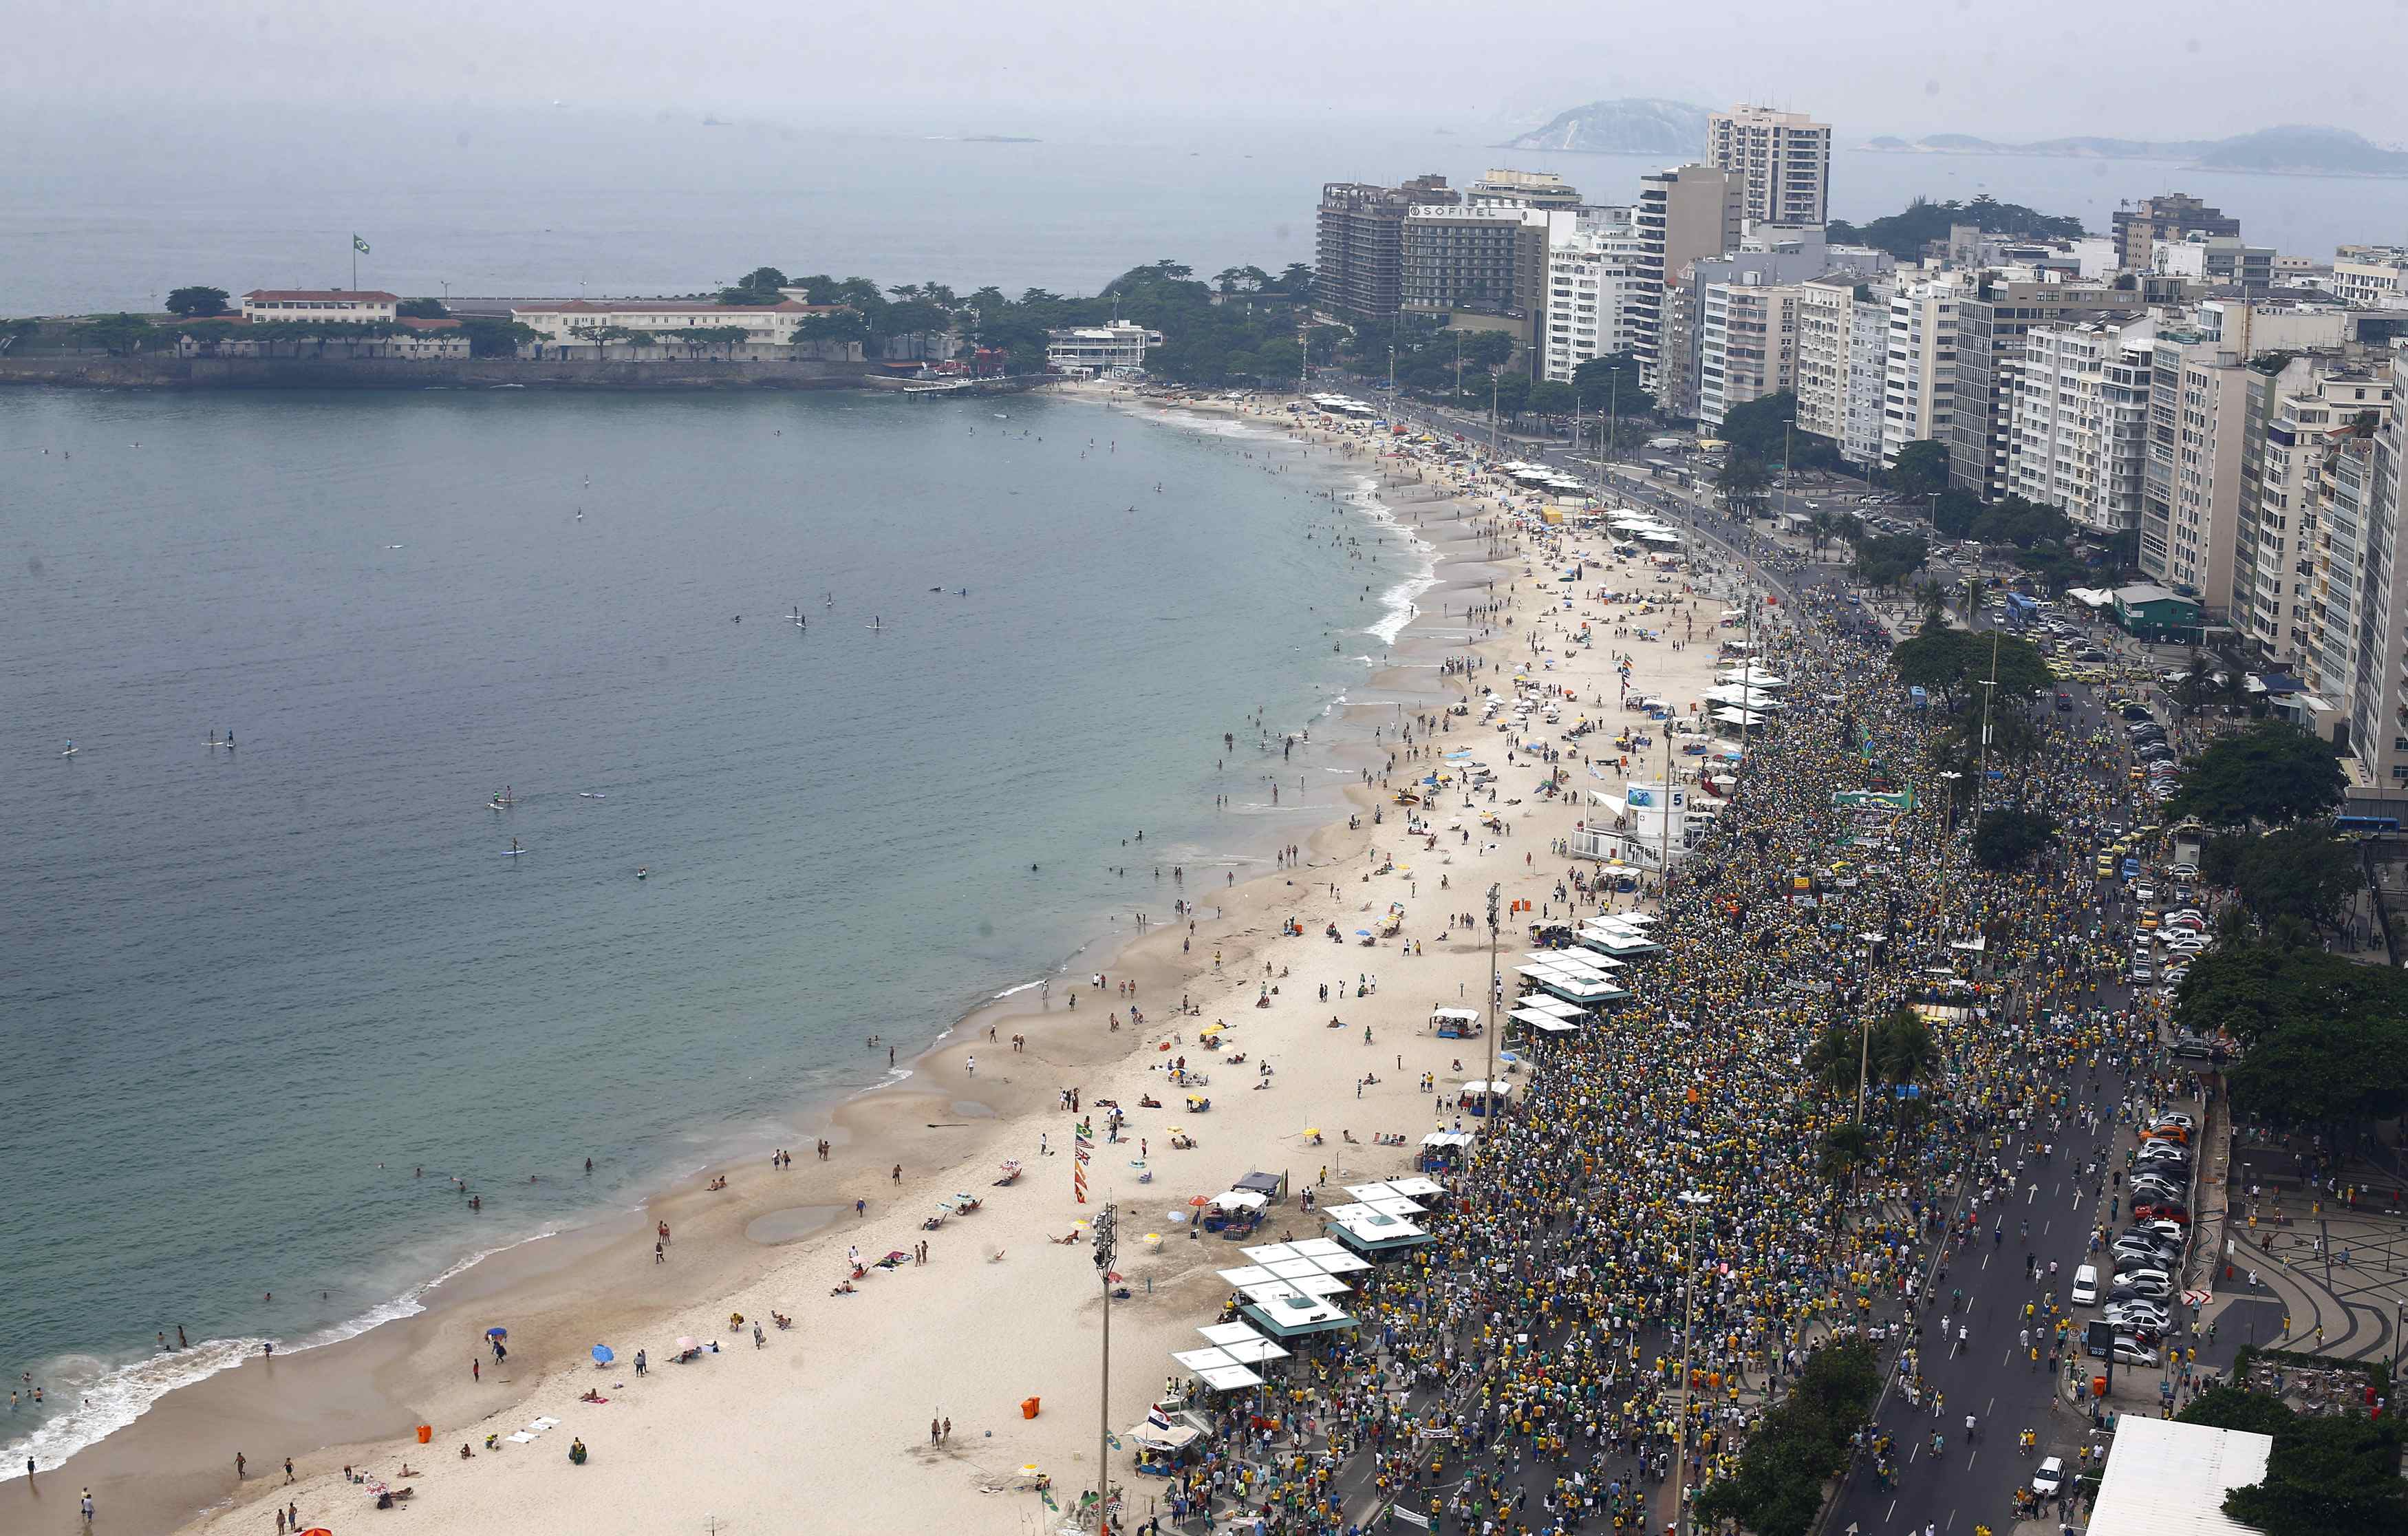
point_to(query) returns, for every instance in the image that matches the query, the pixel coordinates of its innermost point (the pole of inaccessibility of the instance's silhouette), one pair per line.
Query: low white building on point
(1100, 349)
(338, 305)
(575, 321)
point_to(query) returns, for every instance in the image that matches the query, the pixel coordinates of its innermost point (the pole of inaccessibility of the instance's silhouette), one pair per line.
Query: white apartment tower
(1860, 432)
(1747, 344)
(1783, 160)
(2078, 428)
(2308, 409)
(1919, 374)
(1593, 285)
(1825, 320)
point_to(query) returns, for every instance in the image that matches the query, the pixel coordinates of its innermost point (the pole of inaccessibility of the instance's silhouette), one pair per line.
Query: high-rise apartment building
(1676, 381)
(2169, 217)
(2300, 408)
(1991, 322)
(1765, 257)
(1782, 159)
(2378, 699)
(1747, 343)
(1359, 244)
(1592, 286)
(1825, 320)
(1488, 259)
(2078, 437)
(1860, 436)
(2194, 534)
(1919, 373)
(1685, 214)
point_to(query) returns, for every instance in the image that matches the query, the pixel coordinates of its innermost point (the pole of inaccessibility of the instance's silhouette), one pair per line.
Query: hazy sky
(2203, 68)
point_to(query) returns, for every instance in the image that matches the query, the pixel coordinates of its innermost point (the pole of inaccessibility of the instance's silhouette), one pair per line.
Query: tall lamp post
(1693, 1202)
(1495, 926)
(1107, 1237)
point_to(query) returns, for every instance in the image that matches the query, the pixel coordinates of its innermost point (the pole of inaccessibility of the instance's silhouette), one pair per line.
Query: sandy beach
(1004, 1310)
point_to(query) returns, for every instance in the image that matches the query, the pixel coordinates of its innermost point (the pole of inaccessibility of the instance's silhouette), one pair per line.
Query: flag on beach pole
(359, 249)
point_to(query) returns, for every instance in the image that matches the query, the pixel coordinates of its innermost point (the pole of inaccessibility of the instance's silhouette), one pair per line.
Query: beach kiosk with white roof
(1373, 1234)
(1284, 1311)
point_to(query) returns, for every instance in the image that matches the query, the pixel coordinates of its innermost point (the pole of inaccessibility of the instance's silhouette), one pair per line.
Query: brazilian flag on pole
(359, 245)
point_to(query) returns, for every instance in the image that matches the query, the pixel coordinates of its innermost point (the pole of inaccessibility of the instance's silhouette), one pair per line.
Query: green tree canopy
(421, 308)
(2272, 772)
(1609, 382)
(1742, 481)
(2325, 1040)
(1921, 467)
(2327, 1472)
(756, 287)
(1887, 559)
(2304, 872)
(2007, 837)
(1954, 663)
(1777, 1488)
(1764, 428)
(196, 302)
(1904, 234)
(489, 336)
(118, 334)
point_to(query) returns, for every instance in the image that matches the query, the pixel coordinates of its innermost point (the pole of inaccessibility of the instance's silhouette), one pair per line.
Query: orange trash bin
(1029, 1408)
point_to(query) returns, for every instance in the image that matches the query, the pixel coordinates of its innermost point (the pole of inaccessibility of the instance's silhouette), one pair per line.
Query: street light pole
(1989, 691)
(1107, 1237)
(1495, 926)
(1695, 1202)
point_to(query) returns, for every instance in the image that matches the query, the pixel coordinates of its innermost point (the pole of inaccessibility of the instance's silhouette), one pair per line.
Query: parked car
(2050, 1479)
(2086, 1285)
(2130, 1351)
(2162, 1210)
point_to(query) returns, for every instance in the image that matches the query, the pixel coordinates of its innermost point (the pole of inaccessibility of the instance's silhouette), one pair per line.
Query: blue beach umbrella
(498, 1333)
(602, 1355)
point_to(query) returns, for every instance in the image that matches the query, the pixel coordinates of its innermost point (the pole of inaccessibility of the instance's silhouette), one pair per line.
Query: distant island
(999, 138)
(1633, 125)
(2292, 151)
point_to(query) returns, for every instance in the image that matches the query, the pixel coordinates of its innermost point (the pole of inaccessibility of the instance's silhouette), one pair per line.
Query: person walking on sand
(240, 1465)
(85, 1505)
(973, 1063)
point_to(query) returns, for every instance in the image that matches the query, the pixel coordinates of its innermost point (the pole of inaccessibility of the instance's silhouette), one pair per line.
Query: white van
(2086, 1287)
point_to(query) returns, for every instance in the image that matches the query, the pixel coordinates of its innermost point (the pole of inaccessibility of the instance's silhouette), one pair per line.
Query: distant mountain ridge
(1631, 125)
(2296, 150)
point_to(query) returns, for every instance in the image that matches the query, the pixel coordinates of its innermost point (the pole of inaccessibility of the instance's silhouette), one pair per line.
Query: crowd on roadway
(1525, 1373)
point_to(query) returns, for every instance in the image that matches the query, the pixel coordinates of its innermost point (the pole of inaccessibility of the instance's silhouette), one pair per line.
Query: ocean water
(99, 213)
(246, 992)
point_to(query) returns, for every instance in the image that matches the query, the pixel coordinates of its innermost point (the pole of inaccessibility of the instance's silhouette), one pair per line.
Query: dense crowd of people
(1522, 1375)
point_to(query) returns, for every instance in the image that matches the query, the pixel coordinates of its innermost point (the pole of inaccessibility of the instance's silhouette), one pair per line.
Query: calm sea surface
(244, 993)
(102, 214)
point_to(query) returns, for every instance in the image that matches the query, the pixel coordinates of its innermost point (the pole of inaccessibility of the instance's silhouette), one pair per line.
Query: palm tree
(1832, 1060)
(1934, 599)
(1819, 531)
(1846, 1148)
(1902, 1048)
(2197, 680)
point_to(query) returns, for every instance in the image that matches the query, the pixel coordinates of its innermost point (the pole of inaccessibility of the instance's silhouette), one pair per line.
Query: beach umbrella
(602, 1355)
(685, 1343)
(498, 1333)
(1200, 1199)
